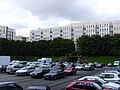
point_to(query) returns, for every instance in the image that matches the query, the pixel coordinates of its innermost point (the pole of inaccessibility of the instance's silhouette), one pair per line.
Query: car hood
(21, 71)
(111, 84)
(78, 66)
(67, 70)
(36, 72)
(50, 74)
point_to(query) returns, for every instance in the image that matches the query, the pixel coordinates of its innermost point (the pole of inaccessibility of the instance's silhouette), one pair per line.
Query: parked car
(14, 62)
(39, 72)
(112, 71)
(10, 86)
(79, 67)
(84, 85)
(109, 64)
(54, 74)
(100, 81)
(3, 68)
(25, 71)
(98, 65)
(117, 68)
(89, 67)
(70, 71)
(13, 68)
(40, 87)
(110, 76)
(116, 63)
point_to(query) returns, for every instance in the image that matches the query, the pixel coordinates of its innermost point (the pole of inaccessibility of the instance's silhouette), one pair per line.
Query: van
(116, 63)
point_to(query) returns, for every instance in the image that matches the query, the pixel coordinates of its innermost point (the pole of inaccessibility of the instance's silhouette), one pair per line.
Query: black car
(54, 74)
(39, 72)
(3, 68)
(10, 86)
(41, 87)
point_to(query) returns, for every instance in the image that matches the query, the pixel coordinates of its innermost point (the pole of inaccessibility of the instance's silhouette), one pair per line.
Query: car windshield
(69, 68)
(38, 69)
(79, 65)
(25, 68)
(53, 71)
(98, 79)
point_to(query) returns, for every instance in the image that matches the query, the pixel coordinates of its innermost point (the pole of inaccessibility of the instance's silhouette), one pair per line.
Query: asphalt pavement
(59, 84)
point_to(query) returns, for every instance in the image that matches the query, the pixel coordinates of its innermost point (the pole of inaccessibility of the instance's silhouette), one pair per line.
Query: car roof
(84, 81)
(90, 77)
(37, 87)
(3, 82)
(110, 73)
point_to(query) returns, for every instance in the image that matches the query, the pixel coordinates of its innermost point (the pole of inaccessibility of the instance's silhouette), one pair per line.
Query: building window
(61, 35)
(50, 31)
(61, 31)
(72, 30)
(72, 34)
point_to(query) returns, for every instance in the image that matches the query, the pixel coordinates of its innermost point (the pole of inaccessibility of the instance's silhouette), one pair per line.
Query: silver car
(103, 83)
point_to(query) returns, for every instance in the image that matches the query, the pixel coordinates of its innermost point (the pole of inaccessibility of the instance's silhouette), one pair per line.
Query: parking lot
(59, 84)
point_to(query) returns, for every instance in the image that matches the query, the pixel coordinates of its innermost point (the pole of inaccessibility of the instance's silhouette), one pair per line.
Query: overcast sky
(25, 15)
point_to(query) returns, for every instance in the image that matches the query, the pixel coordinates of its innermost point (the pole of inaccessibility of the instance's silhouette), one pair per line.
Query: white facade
(76, 30)
(7, 33)
(21, 38)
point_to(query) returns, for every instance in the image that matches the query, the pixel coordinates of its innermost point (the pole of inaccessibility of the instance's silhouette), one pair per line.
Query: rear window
(107, 76)
(79, 85)
(97, 86)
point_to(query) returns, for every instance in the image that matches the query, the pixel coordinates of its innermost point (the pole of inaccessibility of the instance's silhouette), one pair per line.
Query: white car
(112, 71)
(116, 63)
(103, 83)
(79, 67)
(108, 76)
(25, 71)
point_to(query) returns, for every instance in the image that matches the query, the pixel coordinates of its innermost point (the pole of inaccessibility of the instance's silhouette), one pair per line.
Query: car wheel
(55, 78)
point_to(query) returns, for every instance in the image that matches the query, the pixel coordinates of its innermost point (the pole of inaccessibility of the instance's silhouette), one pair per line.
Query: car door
(78, 86)
(90, 86)
(59, 74)
(31, 69)
(74, 70)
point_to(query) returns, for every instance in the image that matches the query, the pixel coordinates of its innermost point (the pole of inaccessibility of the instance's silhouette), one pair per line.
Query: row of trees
(56, 47)
(96, 45)
(88, 46)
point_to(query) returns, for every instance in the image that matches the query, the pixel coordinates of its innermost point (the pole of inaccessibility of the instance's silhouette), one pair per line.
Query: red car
(70, 71)
(84, 85)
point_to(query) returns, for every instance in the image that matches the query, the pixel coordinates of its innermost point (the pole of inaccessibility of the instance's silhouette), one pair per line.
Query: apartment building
(7, 33)
(21, 38)
(76, 30)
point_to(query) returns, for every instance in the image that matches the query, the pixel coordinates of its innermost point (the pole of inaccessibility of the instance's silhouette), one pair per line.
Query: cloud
(15, 17)
(25, 15)
(72, 9)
